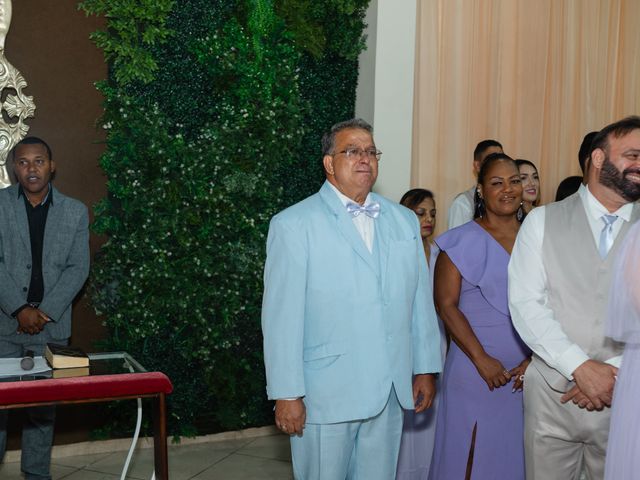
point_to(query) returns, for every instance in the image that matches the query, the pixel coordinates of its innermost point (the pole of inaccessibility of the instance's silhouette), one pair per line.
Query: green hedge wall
(214, 111)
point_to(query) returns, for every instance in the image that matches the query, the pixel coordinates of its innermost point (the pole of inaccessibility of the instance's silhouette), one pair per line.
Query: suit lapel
(347, 229)
(54, 218)
(381, 237)
(21, 221)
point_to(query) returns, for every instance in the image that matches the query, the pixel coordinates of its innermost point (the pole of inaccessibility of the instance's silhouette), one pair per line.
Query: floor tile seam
(70, 473)
(211, 466)
(56, 461)
(263, 457)
(117, 475)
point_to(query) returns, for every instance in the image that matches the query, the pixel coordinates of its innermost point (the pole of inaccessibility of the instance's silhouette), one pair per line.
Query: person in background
(559, 281)
(418, 432)
(479, 432)
(461, 210)
(623, 325)
(347, 318)
(584, 154)
(423, 204)
(530, 184)
(568, 186)
(44, 262)
(572, 184)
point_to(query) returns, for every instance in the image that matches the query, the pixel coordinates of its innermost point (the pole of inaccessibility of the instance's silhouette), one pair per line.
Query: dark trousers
(37, 430)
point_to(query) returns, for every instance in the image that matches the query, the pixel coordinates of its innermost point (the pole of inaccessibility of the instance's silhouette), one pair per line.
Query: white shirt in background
(461, 210)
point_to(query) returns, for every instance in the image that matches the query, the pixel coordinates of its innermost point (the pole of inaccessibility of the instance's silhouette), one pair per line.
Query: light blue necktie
(372, 209)
(606, 235)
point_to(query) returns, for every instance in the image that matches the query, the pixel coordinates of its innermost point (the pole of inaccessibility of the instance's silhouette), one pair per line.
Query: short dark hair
(329, 138)
(32, 141)
(483, 146)
(617, 129)
(415, 196)
(478, 208)
(585, 149)
(567, 187)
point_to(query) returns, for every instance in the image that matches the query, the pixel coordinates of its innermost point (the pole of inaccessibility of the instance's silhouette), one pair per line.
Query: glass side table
(112, 376)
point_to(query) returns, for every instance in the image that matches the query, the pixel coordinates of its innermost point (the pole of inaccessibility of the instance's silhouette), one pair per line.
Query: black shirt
(37, 218)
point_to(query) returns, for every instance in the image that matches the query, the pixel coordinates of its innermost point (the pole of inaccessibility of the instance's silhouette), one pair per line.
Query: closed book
(63, 356)
(70, 372)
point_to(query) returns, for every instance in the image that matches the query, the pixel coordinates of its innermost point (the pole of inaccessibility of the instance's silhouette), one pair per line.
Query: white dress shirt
(528, 302)
(461, 209)
(363, 223)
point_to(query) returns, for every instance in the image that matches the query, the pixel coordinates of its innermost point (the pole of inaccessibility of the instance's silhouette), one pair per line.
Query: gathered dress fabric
(623, 324)
(465, 400)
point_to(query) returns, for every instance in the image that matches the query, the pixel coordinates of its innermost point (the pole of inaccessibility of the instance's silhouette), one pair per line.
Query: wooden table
(133, 382)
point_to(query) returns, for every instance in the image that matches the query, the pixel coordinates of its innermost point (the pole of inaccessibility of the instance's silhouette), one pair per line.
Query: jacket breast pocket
(321, 356)
(403, 262)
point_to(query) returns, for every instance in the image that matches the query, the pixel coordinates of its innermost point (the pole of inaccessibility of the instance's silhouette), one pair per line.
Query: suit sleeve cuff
(16, 312)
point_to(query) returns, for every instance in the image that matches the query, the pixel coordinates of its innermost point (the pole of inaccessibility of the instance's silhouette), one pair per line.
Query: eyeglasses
(352, 153)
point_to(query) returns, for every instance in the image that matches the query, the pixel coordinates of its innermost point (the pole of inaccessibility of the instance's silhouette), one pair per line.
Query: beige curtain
(537, 75)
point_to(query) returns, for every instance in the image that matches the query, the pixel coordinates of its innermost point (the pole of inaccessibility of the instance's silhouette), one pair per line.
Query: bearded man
(559, 281)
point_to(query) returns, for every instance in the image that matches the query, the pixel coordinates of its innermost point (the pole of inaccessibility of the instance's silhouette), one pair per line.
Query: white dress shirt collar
(346, 200)
(364, 224)
(596, 210)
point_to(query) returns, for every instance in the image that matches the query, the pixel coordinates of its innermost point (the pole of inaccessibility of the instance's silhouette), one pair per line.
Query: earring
(480, 207)
(520, 213)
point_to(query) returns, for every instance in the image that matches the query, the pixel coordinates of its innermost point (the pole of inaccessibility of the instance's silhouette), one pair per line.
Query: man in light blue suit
(347, 318)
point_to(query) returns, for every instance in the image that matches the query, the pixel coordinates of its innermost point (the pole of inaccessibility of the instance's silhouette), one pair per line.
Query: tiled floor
(259, 458)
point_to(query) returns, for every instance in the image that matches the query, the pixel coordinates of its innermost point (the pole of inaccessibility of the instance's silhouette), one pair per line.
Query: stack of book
(66, 361)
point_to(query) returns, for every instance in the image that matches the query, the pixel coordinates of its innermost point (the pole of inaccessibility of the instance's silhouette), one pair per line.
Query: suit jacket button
(24, 289)
(29, 266)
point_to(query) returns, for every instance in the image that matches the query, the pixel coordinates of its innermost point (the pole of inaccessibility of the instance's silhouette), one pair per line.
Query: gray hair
(329, 138)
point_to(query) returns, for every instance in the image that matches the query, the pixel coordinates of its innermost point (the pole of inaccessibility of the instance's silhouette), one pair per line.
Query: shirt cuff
(615, 361)
(571, 359)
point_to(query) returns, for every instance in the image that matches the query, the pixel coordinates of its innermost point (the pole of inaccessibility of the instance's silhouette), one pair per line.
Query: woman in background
(479, 432)
(530, 184)
(418, 431)
(623, 324)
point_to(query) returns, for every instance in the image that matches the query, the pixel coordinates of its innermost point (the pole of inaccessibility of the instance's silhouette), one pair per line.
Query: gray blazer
(65, 259)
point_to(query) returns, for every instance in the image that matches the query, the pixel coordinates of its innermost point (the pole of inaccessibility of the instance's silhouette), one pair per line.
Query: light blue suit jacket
(341, 324)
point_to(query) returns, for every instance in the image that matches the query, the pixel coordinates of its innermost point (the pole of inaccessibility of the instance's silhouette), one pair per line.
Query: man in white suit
(347, 318)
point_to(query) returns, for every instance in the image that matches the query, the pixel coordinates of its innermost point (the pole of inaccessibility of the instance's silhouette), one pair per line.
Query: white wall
(385, 89)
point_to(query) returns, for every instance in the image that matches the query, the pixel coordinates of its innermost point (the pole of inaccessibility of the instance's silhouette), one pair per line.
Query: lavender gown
(465, 399)
(623, 324)
(419, 429)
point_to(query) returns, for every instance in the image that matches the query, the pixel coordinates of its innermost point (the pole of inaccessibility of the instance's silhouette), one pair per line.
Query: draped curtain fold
(537, 76)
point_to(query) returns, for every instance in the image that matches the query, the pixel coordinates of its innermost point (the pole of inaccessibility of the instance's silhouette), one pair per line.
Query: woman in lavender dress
(623, 324)
(419, 429)
(479, 431)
